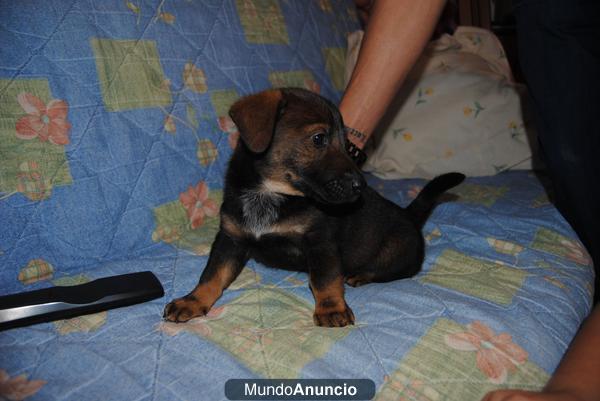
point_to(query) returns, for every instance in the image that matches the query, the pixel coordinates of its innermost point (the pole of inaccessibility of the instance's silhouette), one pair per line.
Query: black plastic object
(54, 303)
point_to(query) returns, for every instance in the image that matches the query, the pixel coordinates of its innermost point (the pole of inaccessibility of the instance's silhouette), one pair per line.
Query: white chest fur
(261, 211)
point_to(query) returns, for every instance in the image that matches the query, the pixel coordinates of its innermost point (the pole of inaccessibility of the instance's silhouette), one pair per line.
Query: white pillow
(459, 110)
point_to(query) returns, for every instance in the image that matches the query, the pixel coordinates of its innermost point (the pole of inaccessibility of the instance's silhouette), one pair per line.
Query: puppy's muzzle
(346, 188)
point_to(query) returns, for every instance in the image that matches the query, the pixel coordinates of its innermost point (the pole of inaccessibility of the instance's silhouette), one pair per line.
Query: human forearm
(396, 34)
(579, 371)
(576, 378)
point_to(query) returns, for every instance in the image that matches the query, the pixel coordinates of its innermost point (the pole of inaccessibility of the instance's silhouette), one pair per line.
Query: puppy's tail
(420, 208)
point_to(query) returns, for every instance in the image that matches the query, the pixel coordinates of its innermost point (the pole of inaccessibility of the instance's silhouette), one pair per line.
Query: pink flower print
(46, 122)
(197, 204)
(497, 355)
(18, 387)
(227, 125)
(577, 253)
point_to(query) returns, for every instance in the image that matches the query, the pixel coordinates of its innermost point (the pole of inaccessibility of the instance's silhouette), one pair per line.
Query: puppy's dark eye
(320, 140)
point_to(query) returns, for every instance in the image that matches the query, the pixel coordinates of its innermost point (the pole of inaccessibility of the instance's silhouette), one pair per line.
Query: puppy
(293, 199)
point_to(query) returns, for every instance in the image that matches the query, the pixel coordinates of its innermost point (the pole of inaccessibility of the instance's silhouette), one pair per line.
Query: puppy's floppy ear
(256, 116)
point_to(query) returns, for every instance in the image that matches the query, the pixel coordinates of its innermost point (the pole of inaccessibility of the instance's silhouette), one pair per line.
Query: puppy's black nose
(357, 183)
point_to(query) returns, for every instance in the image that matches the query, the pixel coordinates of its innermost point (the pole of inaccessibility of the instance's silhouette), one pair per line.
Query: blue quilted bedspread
(113, 115)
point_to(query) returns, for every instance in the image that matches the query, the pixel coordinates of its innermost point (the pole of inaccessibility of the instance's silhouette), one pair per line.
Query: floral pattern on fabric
(455, 362)
(497, 354)
(192, 221)
(141, 90)
(45, 122)
(34, 132)
(18, 387)
(198, 205)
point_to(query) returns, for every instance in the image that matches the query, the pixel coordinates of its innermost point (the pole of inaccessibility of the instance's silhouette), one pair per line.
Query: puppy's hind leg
(225, 263)
(398, 258)
(360, 279)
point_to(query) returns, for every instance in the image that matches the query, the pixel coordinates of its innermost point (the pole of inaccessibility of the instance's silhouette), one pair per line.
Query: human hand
(521, 395)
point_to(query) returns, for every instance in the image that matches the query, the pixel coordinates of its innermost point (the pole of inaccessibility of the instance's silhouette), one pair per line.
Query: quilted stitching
(148, 85)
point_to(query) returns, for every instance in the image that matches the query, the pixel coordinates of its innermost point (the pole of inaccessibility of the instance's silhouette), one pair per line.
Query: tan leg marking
(331, 309)
(231, 227)
(201, 299)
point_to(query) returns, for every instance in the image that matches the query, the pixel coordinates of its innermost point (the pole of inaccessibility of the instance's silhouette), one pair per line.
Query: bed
(111, 110)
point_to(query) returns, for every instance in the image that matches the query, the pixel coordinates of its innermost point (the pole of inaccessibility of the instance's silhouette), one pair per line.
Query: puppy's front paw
(333, 318)
(183, 309)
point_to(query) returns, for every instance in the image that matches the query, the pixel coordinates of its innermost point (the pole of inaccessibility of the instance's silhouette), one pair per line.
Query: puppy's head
(298, 138)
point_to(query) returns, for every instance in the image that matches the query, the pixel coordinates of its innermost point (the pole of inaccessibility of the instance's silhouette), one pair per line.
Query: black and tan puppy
(294, 200)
